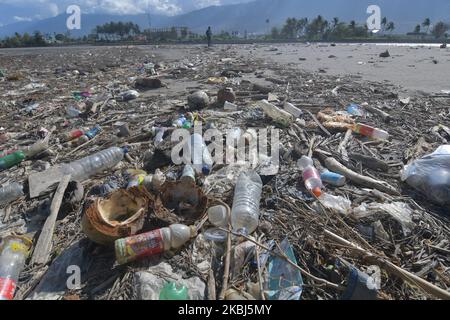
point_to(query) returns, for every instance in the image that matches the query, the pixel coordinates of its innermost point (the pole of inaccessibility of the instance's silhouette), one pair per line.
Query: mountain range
(255, 17)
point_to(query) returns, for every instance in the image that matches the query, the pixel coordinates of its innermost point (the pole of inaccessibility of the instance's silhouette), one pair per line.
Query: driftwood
(370, 162)
(386, 116)
(335, 166)
(226, 271)
(44, 244)
(392, 268)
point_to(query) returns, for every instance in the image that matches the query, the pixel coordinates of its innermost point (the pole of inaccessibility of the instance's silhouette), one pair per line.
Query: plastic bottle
(245, 210)
(85, 168)
(10, 192)
(311, 176)
(93, 132)
(218, 216)
(4, 153)
(136, 178)
(153, 242)
(73, 112)
(179, 122)
(335, 179)
(89, 135)
(188, 174)
(280, 116)
(199, 155)
(11, 160)
(159, 135)
(72, 135)
(370, 132)
(13, 255)
(296, 112)
(173, 292)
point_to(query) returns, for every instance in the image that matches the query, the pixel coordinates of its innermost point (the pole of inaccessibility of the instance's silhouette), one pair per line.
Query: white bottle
(153, 242)
(247, 195)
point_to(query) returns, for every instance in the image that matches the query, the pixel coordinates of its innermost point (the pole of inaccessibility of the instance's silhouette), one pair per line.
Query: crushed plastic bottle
(296, 112)
(368, 131)
(199, 155)
(431, 175)
(159, 135)
(11, 160)
(85, 168)
(171, 291)
(13, 254)
(10, 192)
(153, 242)
(310, 175)
(245, 210)
(278, 115)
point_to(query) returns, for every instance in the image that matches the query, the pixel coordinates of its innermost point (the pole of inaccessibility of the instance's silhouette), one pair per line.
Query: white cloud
(20, 19)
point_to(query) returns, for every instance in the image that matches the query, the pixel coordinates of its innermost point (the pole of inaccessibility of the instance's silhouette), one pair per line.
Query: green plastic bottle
(172, 292)
(11, 160)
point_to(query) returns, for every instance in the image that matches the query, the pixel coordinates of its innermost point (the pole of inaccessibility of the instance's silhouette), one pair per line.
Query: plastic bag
(431, 175)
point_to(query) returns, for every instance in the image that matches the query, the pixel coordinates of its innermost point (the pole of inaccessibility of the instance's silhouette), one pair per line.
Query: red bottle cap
(317, 192)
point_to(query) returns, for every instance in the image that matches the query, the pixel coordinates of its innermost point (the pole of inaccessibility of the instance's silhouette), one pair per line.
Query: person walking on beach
(209, 36)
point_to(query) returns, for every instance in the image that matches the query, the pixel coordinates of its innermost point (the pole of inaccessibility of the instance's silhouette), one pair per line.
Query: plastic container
(93, 132)
(77, 142)
(245, 210)
(10, 192)
(11, 160)
(310, 175)
(188, 174)
(334, 179)
(152, 243)
(171, 291)
(296, 112)
(159, 135)
(199, 155)
(179, 122)
(73, 112)
(373, 133)
(85, 168)
(280, 116)
(13, 254)
(217, 216)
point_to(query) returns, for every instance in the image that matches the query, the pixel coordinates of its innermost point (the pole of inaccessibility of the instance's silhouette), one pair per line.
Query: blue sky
(26, 10)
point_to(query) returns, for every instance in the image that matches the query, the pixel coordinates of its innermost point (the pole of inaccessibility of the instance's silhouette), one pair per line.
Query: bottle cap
(317, 192)
(206, 170)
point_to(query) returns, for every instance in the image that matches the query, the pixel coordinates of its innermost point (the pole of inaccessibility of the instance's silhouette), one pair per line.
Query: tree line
(26, 40)
(439, 30)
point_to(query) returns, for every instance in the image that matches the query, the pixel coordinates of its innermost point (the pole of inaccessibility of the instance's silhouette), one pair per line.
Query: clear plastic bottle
(159, 135)
(245, 210)
(311, 176)
(289, 107)
(10, 192)
(188, 174)
(13, 255)
(370, 132)
(199, 154)
(85, 168)
(171, 291)
(355, 110)
(153, 242)
(280, 116)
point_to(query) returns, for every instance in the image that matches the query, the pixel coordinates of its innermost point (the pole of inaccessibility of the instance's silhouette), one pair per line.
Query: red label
(146, 244)
(311, 173)
(366, 130)
(7, 288)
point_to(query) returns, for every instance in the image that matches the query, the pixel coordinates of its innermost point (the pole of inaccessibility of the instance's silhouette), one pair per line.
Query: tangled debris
(388, 224)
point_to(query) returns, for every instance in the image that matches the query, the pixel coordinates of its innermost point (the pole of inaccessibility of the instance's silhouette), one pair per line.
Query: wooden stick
(44, 244)
(226, 271)
(386, 116)
(392, 268)
(318, 123)
(342, 149)
(260, 278)
(211, 285)
(334, 166)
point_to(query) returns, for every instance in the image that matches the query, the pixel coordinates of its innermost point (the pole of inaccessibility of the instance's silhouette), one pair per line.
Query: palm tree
(384, 22)
(427, 24)
(335, 22)
(390, 27)
(353, 25)
(417, 29)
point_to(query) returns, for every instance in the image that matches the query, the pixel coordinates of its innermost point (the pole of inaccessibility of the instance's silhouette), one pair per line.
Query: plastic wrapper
(430, 175)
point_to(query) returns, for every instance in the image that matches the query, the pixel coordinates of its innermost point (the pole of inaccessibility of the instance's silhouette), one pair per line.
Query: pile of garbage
(351, 202)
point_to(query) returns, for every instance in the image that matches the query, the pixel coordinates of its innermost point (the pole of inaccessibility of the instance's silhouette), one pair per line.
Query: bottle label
(7, 288)
(75, 134)
(311, 173)
(365, 130)
(142, 245)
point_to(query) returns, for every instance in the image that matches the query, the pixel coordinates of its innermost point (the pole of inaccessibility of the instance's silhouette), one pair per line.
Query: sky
(27, 10)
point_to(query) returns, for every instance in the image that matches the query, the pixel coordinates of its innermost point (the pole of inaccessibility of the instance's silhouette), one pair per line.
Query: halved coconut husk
(180, 202)
(121, 215)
